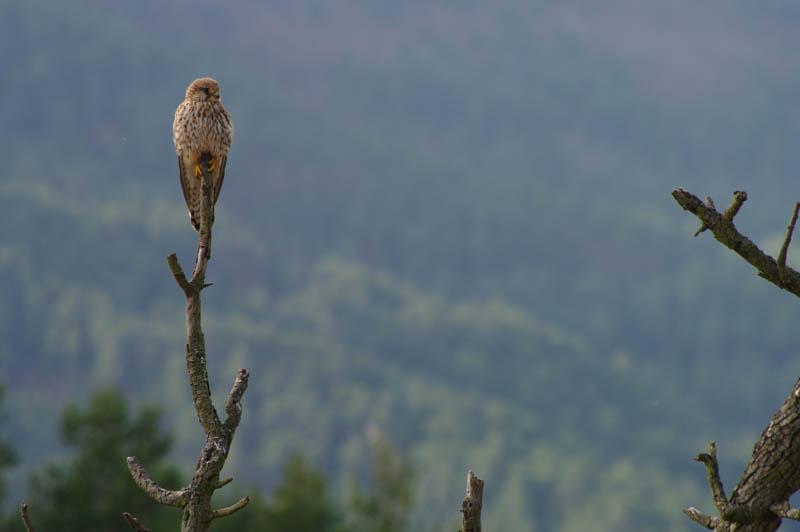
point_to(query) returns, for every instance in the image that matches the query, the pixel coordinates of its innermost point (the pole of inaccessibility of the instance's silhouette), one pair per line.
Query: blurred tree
(387, 506)
(7, 455)
(300, 503)
(90, 492)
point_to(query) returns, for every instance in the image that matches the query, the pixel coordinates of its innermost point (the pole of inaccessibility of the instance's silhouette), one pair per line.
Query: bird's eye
(205, 89)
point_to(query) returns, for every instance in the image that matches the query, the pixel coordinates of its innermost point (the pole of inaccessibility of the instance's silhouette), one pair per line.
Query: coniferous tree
(89, 491)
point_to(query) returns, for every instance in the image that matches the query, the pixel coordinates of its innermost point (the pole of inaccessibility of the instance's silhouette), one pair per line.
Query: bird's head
(203, 89)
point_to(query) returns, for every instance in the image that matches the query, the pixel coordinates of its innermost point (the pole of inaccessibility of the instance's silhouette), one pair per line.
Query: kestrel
(202, 125)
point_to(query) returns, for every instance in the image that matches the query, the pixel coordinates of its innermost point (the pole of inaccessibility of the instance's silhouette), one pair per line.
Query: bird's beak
(215, 95)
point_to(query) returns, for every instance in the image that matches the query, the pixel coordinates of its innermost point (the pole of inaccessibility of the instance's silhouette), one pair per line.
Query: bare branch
(786, 242)
(135, 524)
(224, 482)
(177, 273)
(143, 480)
(721, 225)
(714, 482)
(785, 511)
(739, 197)
(233, 404)
(472, 504)
(233, 508)
(710, 522)
(704, 226)
(23, 509)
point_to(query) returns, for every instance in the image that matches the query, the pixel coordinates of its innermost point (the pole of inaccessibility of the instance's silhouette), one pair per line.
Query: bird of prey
(202, 125)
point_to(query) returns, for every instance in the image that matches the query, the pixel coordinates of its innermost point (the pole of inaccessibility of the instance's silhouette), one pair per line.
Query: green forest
(445, 241)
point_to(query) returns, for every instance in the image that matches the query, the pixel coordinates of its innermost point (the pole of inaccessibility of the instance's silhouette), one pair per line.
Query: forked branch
(195, 499)
(722, 227)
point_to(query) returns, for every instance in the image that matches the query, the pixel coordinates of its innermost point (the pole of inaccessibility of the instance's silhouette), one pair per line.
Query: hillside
(448, 221)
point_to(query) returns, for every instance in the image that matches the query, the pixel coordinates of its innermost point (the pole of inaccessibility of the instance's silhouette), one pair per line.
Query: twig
(786, 242)
(224, 482)
(783, 510)
(708, 521)
(23, 509)
(704, 225)
(233, 508)
(177, 273)
(714, 482)
(739, 197)
(472, 504)
(135, 524)
(728, 511)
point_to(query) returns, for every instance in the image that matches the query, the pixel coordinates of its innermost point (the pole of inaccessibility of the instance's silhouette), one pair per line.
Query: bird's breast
(203, 127)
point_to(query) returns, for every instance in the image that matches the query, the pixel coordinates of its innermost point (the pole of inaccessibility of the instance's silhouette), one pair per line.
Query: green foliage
(387, 505)
(8, 457)
(90, 491)
(300, 503)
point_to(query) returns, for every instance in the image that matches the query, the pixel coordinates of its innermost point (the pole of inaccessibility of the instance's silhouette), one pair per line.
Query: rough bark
(195, 499)
(472, 504)
(761, 498)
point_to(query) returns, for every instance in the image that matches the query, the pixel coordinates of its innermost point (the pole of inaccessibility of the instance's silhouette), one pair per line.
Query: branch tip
(472, 504)
(177, 273)
(739, 197)
(149, 486)
(784, 511)
(23, 509)
(224, 482)
(135, 524)
(715, 483)
(786, 241)
(233, 508)
(703, 519)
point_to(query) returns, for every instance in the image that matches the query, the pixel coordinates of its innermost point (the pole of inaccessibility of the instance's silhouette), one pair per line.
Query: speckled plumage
(202, 125)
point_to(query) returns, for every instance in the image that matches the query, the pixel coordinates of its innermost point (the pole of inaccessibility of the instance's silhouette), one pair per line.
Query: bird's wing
(184, 175)
(218, 185)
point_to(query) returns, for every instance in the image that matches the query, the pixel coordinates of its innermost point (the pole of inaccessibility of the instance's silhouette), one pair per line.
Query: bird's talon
(212, 164)
(197, 171)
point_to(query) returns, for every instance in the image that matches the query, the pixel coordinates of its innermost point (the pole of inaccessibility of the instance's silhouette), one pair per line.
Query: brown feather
(221, 170)
(202, 125)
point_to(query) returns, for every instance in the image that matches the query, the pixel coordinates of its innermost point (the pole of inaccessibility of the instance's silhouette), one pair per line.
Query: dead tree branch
(714, 482)
(23, 509)
(233, 508)
(761, 498)
(723, 229)
(195, 499)
(135, 524)
(786, 242)
(708, 521)
(472, 504)
(149, 486)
